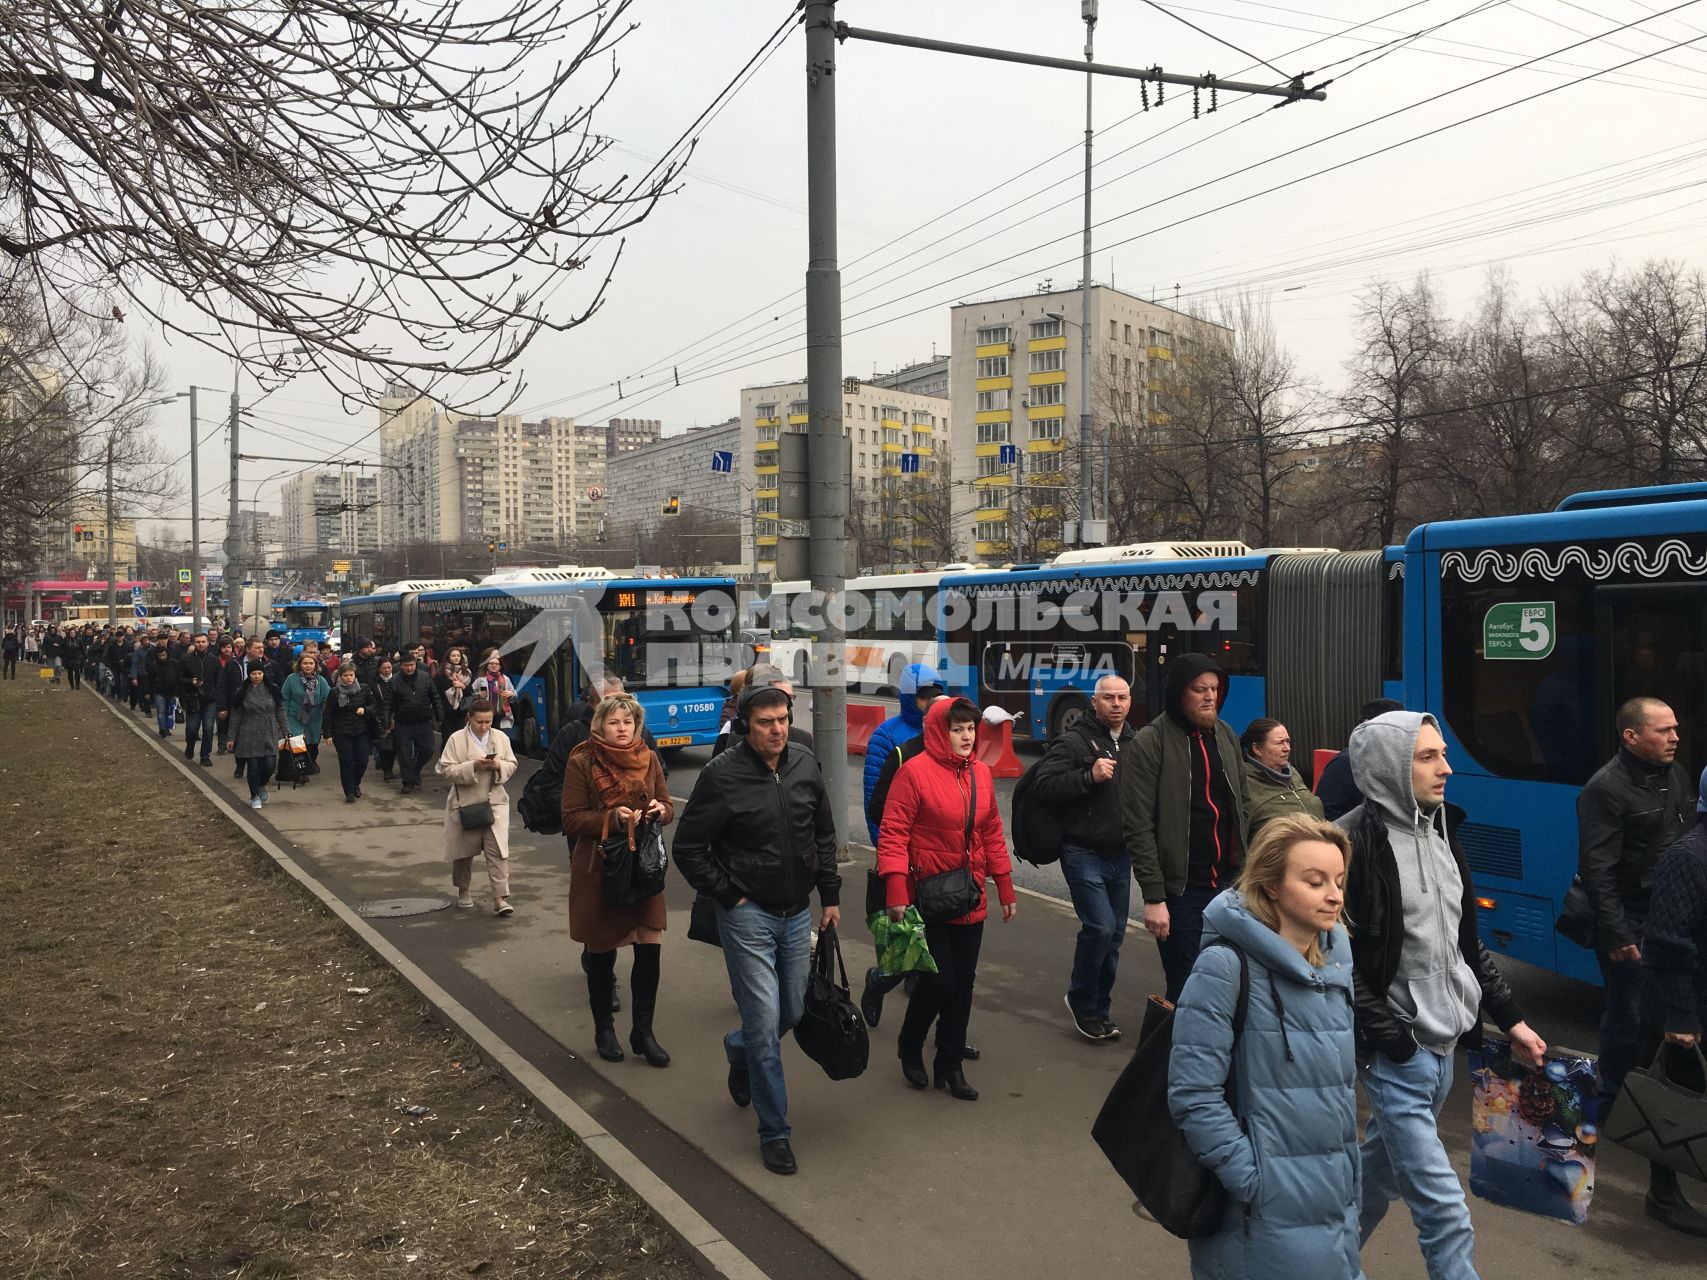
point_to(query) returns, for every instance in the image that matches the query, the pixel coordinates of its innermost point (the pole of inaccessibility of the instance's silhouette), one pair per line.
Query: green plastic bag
(901, 946)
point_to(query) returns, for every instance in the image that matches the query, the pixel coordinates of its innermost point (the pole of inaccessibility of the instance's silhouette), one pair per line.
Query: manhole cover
(402, 907)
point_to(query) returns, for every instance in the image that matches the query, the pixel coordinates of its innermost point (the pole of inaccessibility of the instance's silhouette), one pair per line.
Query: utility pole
(112, 577)
(827, 503)
(1089, 9)
(233, 535)
(198, 594)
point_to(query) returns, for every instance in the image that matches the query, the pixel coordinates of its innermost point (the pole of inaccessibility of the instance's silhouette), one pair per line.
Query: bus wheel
(527, 728)
(1066, 712)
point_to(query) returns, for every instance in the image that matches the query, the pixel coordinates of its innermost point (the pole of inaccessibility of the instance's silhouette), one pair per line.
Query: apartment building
(625, 435)
(461, 479)
(883, 426)
(1015, 379)
(334, 511)
(642, 480)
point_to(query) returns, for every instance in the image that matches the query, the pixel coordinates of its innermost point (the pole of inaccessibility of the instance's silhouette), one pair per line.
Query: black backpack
(1036, 828)
(541, 805)
(1137, 1133)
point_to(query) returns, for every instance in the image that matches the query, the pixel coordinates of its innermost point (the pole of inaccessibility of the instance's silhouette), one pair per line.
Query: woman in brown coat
(611, 778)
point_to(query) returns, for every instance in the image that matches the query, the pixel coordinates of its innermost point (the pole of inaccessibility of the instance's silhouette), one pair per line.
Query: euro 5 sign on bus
(1522, 631)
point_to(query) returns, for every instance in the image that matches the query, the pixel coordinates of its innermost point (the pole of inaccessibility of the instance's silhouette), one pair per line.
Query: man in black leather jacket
(757, 837)
(1636, 804)
(1423, 979)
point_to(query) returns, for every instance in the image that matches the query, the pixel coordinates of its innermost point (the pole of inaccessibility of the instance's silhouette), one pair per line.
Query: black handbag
(1137, 1133)
(1659, 1119)
(633, 862)
(830, 1030)
(288, 769)
(952, 894)
(477, 816)
(1576, 923)
(702, 921)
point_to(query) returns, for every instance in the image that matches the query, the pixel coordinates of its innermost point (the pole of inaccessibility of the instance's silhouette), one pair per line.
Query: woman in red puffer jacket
(941, 815)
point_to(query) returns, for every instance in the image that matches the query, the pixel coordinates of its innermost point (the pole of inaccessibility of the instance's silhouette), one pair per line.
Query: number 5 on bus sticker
(1522, 631)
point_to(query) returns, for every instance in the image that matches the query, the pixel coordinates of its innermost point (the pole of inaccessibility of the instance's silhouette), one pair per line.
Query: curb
(710, 1250)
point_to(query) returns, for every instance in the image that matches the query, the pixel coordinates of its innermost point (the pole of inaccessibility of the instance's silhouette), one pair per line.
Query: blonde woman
(612, 777)
(1285, 1146)
(478, 760)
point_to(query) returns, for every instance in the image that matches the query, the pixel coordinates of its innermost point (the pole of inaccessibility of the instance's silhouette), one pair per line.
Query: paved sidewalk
(893, 1182)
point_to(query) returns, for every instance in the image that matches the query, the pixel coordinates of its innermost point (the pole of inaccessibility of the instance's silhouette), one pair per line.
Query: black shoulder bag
(952, 894)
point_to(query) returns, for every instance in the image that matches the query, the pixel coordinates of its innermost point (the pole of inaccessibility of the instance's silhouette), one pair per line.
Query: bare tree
(1390, 377)
(339, 175)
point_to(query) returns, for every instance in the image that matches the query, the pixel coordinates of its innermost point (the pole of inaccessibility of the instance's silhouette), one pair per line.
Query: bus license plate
(680, 740)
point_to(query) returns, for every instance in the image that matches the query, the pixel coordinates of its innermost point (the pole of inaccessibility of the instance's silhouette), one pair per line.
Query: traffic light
(672, 505)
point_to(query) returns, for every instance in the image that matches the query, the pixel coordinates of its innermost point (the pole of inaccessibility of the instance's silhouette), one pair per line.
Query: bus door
(1652, 642)
(1165, 643)
(1004, 679)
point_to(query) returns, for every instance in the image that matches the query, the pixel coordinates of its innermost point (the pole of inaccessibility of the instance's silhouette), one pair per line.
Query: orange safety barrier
(1319, 761)
(996, 749)
(863, 719)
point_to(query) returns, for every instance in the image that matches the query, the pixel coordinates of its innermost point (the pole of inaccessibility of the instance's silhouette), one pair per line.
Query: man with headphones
(765, 676)
(757, 838)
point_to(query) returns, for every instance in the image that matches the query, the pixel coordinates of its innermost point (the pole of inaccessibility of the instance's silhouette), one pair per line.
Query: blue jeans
(1185, 937)
(163, 708)
(767, 956)
(1403, 1156)
(1101, 888)
(203, 722)
(1620, 1026)
(259, 771)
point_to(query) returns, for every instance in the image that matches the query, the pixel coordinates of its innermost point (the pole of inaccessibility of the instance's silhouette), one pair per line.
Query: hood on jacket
(1228, 917)
(1381, 753)
(936, 732)
(913, 678)
(1701, 803)
(1181, 672)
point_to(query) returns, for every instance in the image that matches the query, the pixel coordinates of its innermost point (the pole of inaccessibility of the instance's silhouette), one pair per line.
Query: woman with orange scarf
(611, 778)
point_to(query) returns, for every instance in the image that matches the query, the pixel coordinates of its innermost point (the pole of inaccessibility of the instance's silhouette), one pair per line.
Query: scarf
(453, 690)
(310, 695)
(1283, 777)
(349, 695)
(619, 773)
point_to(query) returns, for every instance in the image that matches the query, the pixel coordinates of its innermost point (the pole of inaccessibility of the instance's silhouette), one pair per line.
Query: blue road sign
(909, 463)
(177, 610)
(136, 595)
(1009, 454)
(723, 460)
(141, 609)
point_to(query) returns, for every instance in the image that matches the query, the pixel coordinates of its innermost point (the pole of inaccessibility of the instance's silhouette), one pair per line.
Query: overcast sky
(1612, 167)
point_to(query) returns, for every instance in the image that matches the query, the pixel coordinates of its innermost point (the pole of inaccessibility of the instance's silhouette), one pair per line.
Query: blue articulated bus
(304, 620)
(1522, 635)
(672, 640)
(388, 615)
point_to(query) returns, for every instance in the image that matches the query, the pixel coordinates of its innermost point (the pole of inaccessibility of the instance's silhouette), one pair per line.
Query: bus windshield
(662, 639)
(306, 615)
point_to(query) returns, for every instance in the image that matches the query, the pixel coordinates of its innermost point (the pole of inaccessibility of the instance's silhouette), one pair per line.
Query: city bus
(304, 620)
(892, 623)
(387, 615)
(1522, 635)
(672, 640)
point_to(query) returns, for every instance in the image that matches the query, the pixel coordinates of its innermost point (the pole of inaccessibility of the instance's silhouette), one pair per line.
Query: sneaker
(1086, 1025)
(503, 909)
(1109, 1030)
(263, 797)
(255, 803)
(871, 997)
(465, 901)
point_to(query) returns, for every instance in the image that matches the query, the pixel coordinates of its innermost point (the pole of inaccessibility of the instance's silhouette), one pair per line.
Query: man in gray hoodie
(1423, 979)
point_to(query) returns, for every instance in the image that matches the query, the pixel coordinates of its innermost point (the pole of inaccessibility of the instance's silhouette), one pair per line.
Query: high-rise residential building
(624, 435)
(640, 482)
(87, 535)
(1015, 379)
(255, 530)
(330, 512)
(536, 485)
(882, 426)
(927, 378)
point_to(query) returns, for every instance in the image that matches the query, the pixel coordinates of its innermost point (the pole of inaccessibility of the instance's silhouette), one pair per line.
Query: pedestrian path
(893, 1182)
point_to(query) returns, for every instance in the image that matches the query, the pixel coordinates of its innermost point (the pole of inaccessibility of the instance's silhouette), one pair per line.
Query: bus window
(649, 648)
(1521, 717)
(1653, 644)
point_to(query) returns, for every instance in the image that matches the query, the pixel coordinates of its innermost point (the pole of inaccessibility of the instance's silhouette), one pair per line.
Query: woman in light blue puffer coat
(1288, 1158)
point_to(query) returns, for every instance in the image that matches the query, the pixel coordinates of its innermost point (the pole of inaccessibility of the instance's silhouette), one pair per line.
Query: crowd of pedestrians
(1314, 943)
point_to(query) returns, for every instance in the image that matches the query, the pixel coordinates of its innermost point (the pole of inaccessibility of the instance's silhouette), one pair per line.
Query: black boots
(601, 977)
(949, 1076)
(601, 986)
(647, 956)
(1666, 1203)
(913, 1067)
